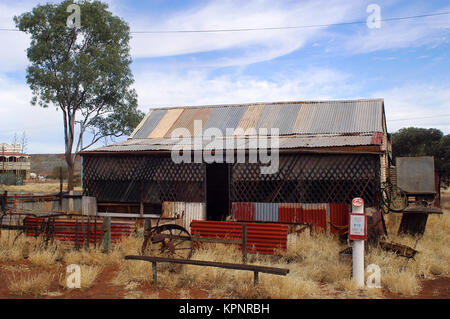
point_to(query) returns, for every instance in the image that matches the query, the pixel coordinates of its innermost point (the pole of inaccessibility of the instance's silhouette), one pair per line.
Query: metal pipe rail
(255, 268)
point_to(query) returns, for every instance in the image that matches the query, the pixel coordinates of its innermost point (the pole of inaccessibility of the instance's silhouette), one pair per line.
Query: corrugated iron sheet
(266, 212)
(243, 211)
(194, 211)
(300, 124)
(173, 209)
(166, 123)
(185, 119)
(225, 117)
(340, 117)
(185, 212)
(268, 116)
(262, 238)
(316, 214)
(167, 144)
(119, 230)
(250, 117)
(286, 117)
(150, 123)
(308, 117)
(290, 213)
(339, 216)
(137, 128)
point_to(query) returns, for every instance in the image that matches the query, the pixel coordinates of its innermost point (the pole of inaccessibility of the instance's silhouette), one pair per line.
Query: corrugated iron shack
(329, 153)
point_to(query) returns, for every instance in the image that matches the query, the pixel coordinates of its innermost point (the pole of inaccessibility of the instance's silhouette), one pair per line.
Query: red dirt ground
(102, 289)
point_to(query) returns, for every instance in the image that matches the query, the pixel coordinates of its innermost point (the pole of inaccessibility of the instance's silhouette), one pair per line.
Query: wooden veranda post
(244, 243)
(107, 239)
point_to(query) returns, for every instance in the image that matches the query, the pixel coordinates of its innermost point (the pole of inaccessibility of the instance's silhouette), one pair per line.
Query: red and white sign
(357, 220)
(357, 227)
(357, 202)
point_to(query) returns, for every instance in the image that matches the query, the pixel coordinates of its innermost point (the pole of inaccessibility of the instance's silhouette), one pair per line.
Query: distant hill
(43, 164)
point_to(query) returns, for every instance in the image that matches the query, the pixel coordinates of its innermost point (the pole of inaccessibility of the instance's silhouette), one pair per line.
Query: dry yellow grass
(132, 271)
(30, 284)
(45, 187)
(43, 257)
(315, 269)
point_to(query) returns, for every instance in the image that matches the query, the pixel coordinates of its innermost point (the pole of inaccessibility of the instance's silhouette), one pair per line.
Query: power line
(292, 27)
(419, 118)
(273, 28)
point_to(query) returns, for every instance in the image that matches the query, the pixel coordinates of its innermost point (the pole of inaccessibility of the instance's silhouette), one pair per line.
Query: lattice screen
(302, 178)
(130, 178)
(309, 178)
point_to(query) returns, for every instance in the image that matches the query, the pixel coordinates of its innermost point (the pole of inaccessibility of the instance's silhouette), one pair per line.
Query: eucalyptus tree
(80, 63)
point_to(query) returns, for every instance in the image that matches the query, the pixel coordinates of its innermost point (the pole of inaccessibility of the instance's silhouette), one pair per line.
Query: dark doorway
(217, 191)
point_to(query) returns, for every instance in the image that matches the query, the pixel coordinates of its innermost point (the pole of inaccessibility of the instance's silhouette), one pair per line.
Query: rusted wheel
(170, 240)
(394, 198)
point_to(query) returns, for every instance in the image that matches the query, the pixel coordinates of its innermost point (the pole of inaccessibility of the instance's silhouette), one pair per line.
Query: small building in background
(12, 160)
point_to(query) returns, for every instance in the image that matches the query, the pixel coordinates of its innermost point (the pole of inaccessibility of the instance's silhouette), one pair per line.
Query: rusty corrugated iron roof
(308, 117)
(301, 124)
(285, 142)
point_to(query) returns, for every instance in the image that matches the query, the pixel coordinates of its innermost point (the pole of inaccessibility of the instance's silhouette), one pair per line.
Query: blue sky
(406, 62)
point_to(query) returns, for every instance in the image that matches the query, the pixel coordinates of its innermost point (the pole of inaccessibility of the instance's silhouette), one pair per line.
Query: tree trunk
(69, 125)
(70, 171)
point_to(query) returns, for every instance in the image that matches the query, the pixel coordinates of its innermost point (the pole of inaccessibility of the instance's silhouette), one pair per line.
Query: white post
(358, 248)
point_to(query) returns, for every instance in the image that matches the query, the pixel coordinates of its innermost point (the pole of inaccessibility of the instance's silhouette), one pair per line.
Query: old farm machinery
(167, 240)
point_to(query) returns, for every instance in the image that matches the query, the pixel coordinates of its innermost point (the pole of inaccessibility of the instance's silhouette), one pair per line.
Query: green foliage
(413, 141)
(85, 71)
(10, 179)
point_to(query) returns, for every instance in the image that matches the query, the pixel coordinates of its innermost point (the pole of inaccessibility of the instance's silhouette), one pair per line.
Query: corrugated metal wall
(185, 212)
(119, 229)
(339, 215)
(243, 211)
(261, 238)
(318, 214)
(266, 212)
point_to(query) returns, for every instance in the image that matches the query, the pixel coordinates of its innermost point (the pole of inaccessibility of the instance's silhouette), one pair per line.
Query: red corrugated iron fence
(262, 238)
(316, 214)
(68, 229)
(339, 216)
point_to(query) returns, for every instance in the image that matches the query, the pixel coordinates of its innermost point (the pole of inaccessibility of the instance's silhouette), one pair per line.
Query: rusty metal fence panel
(266, 212)
(184, 212)
(316, 214)
(70, 229)
(243, 211)
(339, 216)
(262, 238)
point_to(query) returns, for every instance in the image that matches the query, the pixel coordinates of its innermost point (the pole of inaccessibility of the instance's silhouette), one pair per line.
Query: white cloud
(255, 46)
(42, 126)
(14, 44)
(431, 31)
(198, 88)
(418, 105)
